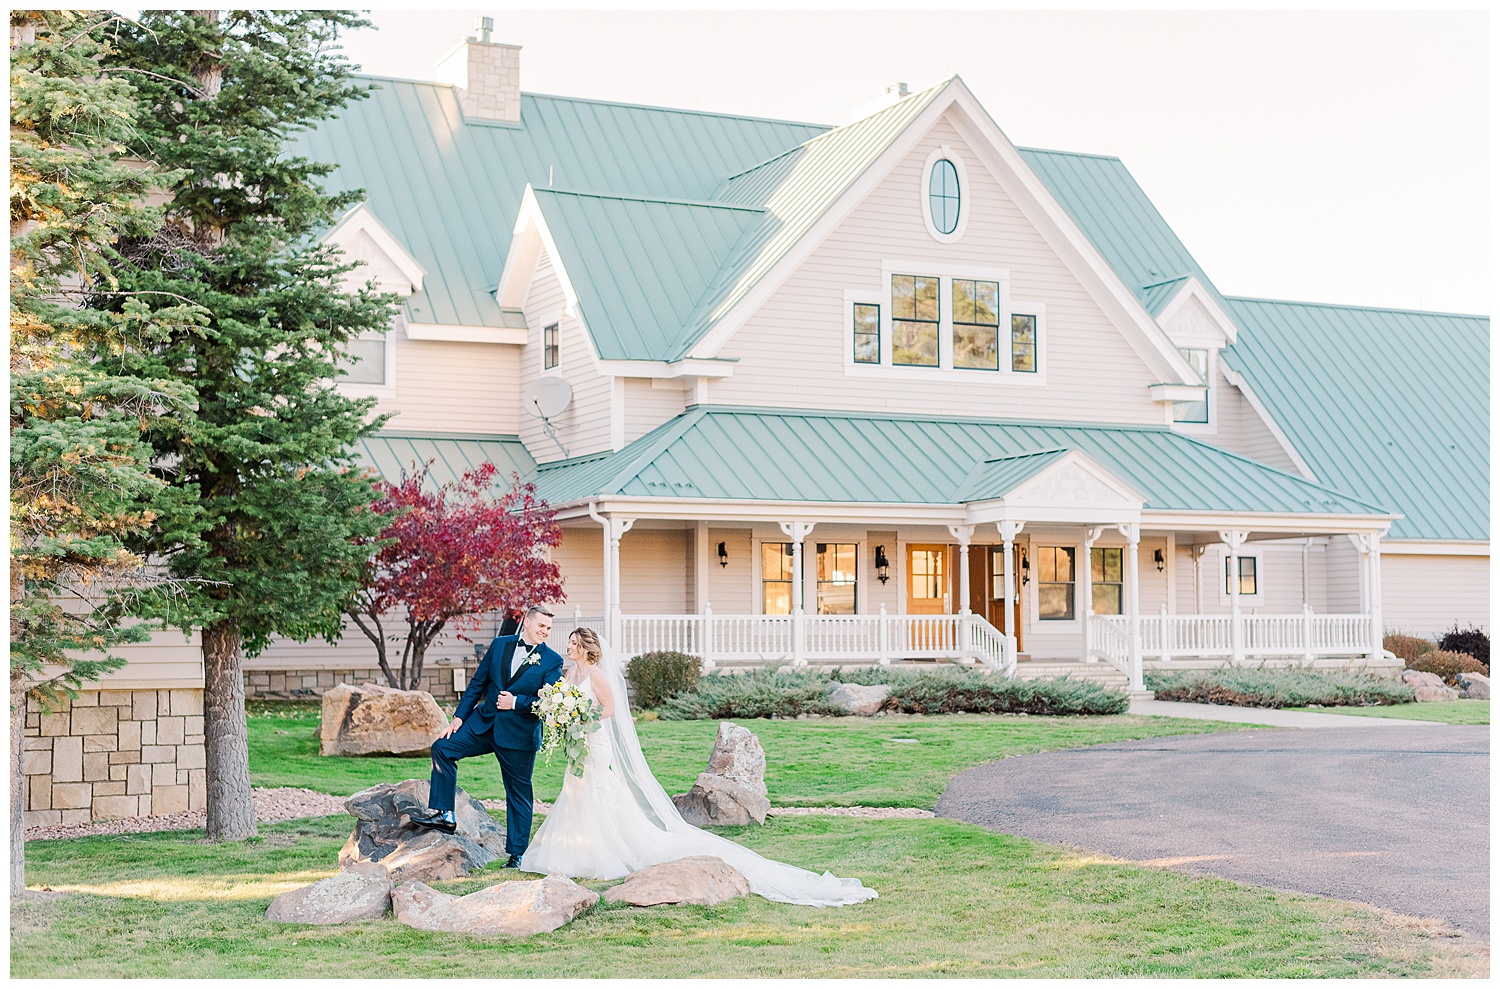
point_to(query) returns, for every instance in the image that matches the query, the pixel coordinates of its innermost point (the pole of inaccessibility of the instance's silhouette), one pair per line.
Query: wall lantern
(723, 556)
(882, 565)
(1161, 561)
(1025, 569)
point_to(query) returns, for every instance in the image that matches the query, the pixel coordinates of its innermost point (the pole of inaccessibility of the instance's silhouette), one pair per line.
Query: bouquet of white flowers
(567, 719)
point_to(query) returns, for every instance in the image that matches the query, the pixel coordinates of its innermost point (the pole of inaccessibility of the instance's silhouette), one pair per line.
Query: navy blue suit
(514, 735)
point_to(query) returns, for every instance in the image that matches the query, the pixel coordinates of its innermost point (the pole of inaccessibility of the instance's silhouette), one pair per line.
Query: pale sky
(1331, 157)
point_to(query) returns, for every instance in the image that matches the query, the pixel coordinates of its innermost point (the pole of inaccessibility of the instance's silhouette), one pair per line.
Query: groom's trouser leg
(515, 769)
(445, 755)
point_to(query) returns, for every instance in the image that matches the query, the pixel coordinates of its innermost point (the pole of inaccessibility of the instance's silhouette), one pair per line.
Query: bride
(616, 819)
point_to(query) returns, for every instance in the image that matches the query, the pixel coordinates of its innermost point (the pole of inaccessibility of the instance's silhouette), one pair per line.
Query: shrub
(1409, 647)
(1448, 665)
(1278, 688)
(764, 694)
(656, 676)
(1471, 641)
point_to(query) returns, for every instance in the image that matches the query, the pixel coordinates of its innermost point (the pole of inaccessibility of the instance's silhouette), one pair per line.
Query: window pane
(1055, 602)
(963, 301)
(1193, 411)
(867, 334)
(549, 346)
(927, 574)
(914, 343)
(943, 196)
(987, 303)
(1107, 599)
(1023, 343)
(903, 296)
(1247, 575)
(776, 561)
(365, 362)
(976, 347)
(776, 598)
(927, 298)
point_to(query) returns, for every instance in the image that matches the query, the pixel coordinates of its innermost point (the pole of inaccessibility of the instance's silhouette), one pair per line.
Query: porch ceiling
(743, 456)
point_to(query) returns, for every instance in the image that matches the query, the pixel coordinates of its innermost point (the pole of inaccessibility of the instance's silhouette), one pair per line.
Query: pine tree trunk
(17, 782)
(231, 812)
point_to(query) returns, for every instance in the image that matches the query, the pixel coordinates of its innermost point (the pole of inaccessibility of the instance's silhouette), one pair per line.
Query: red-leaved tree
(451, 554)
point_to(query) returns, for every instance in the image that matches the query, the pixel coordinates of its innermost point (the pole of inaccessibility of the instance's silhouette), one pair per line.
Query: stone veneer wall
(115, 753)
(437, 680)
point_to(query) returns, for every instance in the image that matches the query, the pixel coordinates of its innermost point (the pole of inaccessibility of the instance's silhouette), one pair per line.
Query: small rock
(375, 720)
(1428, 686)
(1476, 686)
(732, 790)
(701, 879)
(360, 892)
(857, 698)
(519, 908)
(385, 834)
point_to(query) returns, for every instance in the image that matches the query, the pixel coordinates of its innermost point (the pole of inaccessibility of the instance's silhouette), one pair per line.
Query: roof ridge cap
(712, 203)
(1350, 305)
(675, 109)
(1071, 154)
(858, 414)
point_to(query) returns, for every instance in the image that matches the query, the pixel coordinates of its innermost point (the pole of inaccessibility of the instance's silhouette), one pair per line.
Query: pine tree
(270, 535)
(80, 478)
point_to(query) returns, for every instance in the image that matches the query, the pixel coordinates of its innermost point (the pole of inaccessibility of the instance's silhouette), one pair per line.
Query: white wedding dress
(616, 819)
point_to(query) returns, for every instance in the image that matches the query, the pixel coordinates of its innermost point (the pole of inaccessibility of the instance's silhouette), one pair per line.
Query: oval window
(943, 196)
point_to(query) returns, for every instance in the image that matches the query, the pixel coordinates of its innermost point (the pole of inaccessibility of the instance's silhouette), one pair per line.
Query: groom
(494, 715)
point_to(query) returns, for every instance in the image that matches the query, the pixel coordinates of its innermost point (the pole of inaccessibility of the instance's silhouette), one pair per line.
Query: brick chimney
(487, 75)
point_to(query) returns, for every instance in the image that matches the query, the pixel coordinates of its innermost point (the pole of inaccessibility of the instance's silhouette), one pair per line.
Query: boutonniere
(532, 658)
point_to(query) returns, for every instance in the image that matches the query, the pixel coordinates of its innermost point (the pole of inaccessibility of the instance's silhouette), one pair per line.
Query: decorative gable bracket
(364, 238)
(1066, 486)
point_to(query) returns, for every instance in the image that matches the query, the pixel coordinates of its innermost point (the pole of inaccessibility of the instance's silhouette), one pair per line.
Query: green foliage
(1462, 712)
(266, 504)
(1277, 688)
(1408, 647)
(766, 694)
(81, 485)
(1447, 665)
(656, 676)
(1472, 641)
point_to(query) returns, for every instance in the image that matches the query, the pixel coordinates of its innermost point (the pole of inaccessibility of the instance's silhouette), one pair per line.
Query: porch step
(1103, 673)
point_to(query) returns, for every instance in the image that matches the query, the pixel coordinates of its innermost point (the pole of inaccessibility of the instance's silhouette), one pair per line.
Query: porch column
(1234, 539)
(963, 533)
(614, 528)
(1132, 533)
(797, 532)
(1008, 532)
(1370, 544)
(1086, 588)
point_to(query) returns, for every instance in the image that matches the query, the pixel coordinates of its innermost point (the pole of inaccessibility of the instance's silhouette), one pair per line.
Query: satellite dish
(549, 396)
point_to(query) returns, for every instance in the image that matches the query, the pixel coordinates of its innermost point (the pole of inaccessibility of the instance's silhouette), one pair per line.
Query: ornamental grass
(1278, 688)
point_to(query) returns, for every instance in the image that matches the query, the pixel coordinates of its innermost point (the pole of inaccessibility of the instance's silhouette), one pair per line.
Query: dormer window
(1193, 411)
(943, 196)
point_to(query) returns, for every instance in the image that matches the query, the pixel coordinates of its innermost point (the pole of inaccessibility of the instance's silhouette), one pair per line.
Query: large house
(891, 390)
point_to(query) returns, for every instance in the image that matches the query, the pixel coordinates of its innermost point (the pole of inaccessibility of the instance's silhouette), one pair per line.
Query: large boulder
(733, 788)
(1476, 686)
(701, 879)
(1428, 686)
(518, 908)
(385, 835)
(360, 892)
(375, 720)
(856, 698)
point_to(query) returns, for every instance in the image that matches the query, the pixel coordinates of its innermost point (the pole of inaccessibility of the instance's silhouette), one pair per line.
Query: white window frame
(556, 368)
(387, 389)
(938, 154)
(1039, 310)
(1252, 600)
(1038, 624)
(1211, 395)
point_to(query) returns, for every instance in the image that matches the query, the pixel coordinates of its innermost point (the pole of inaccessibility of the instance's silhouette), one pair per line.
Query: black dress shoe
(514, 862)
(434, 821)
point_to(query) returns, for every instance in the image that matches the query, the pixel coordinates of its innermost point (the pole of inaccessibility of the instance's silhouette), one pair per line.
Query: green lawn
(955, 900)
(823, 762)
(1448, 712)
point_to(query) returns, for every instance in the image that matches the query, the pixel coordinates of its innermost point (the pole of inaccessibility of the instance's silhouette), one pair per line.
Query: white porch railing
(802, 640)
(1167, 637)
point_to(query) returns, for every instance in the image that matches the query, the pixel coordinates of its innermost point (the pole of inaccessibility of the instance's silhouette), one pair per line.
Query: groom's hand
(506, 701)
(453, 725)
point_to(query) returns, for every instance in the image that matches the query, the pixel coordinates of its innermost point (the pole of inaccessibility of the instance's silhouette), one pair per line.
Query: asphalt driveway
(1395, 818)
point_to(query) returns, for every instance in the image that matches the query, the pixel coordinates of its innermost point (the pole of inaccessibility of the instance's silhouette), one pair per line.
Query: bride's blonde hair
(588, 639)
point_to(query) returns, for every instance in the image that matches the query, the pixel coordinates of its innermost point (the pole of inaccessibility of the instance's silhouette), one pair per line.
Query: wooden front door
(987, 585)
(927, 579)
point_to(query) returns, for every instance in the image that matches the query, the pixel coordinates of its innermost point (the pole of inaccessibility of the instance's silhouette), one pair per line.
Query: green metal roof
(994, 478)
(732, 453)
(640, 265)
(393, 454)
(450, 191)
(1103, 198)
(1388, 404)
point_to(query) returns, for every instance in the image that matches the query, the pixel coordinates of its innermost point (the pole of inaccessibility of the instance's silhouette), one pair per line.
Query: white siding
(580, 557)
(792, 351)
(584, 426)
(447, 387)
(1428, 595)
(1241, 429)
(655, 571)
(354, 651)
(1343, 576)
(730, 587)
(650, 403)
(377, 267)
(168, 659)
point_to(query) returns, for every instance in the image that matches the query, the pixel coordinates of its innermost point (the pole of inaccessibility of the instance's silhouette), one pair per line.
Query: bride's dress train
(616, 819)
